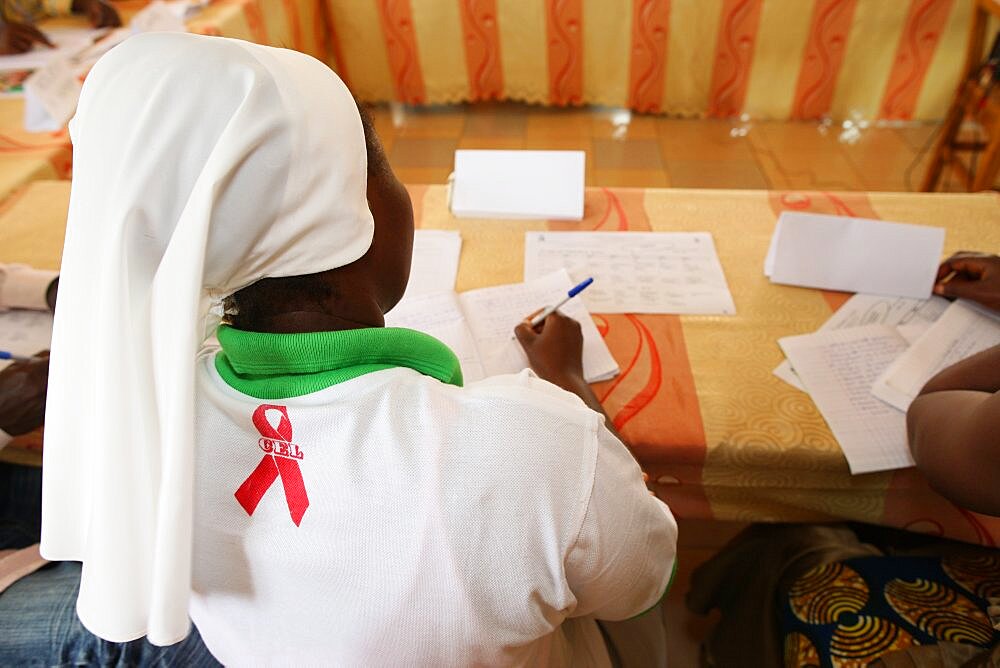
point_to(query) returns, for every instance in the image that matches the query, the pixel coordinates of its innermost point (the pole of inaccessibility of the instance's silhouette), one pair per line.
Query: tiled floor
(648, 151)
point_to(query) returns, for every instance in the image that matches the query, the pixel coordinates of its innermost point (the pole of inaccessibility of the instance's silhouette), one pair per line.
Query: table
(770, 59)
(720, 435)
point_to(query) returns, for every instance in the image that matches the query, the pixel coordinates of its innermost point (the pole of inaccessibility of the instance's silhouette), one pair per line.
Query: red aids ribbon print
(281, 458)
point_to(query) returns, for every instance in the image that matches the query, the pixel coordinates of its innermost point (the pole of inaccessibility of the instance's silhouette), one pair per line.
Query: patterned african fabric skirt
(852, 612)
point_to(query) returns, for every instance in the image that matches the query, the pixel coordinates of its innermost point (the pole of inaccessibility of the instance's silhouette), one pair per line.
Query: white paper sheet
(961, 332)
(856, 255)
(838, 369)
(440, 315)
(518, 184)
(24, 332)
(52, 90)
(636, 272)
(479, 325)
(434, 267)
(68, 41)
(493, 313)
(911, 317)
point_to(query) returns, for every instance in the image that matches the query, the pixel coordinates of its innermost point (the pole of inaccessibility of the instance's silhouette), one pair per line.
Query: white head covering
(202, 164)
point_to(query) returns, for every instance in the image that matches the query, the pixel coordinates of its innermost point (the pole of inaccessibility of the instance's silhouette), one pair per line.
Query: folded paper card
(518, 184)
(855, 255)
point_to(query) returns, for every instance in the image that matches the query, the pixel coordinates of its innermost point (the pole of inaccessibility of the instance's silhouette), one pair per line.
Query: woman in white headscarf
(201, 166)
(344, 499)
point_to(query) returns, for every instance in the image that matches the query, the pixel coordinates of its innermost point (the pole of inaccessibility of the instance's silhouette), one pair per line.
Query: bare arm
(555, 351)
(954, 432)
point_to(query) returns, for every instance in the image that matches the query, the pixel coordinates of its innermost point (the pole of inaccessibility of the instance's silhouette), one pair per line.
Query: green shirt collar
(280, 366)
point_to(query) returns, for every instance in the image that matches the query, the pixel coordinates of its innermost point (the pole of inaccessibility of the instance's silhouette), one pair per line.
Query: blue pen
(538, 319)
(5, 355)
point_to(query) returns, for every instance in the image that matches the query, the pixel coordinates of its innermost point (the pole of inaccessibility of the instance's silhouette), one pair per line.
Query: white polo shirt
(392, 518)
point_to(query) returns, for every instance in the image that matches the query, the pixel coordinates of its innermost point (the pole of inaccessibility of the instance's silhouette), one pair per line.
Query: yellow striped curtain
(775, 59)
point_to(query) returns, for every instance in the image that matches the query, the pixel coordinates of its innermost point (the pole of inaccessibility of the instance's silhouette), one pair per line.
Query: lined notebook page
(493, 313)
(838, 369)
(911, 317)
(961, 332)
(440, 315)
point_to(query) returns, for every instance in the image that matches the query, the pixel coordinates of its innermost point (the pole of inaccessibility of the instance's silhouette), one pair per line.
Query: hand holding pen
(540, 317)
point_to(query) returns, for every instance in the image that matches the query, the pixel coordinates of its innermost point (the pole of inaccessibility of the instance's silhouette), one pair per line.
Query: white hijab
(202, 164)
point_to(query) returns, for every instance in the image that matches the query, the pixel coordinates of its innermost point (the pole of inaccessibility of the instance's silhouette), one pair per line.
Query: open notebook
(478, 325)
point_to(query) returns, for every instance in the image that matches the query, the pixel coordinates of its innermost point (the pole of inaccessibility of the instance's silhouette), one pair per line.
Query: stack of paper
(963, 331)
(518, 184)
(910, 317)
(863, 376)
(478, 325)
(636, 272)
(838, 369)
(854, 255)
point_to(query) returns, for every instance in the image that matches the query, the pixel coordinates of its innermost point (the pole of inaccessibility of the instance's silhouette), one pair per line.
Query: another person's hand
(23, 386)
(554, 349)
(100, 13)
(20, 37)
(974, 276)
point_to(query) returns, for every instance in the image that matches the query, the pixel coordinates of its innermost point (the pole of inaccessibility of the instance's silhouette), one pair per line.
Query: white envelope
(855, 255)
(518, 184)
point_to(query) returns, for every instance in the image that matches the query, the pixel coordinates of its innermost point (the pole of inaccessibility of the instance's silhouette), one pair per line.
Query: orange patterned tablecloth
(722, 437)
(772, 59)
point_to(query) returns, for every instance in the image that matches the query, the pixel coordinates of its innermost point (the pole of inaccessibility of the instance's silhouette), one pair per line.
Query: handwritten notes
(494, 312)
(838, 369)
(636, 272)
(961, 332)
(479, 325)
(911, 317)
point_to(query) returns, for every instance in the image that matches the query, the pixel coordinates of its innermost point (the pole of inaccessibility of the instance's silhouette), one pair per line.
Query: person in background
(954, 423)
(18, 32)
(856, 594)
(38, 622)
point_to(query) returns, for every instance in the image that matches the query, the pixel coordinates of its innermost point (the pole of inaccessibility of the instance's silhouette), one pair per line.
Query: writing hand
(554, 348)
(974, 276)
(20, 37)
